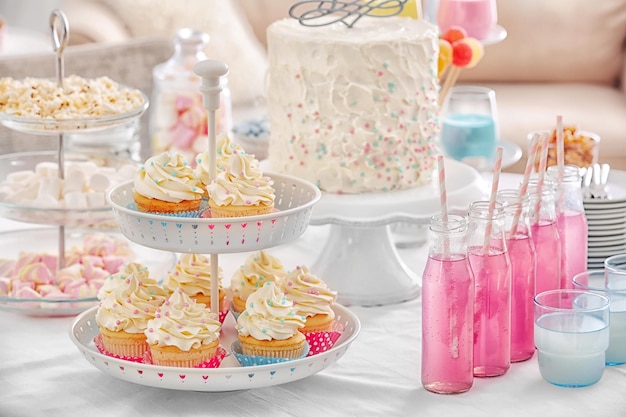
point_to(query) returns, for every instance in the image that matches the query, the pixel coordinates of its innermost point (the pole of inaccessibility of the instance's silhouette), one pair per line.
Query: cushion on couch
(566, 41)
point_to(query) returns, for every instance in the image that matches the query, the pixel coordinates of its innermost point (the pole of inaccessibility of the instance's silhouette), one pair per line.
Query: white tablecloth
(42, 373)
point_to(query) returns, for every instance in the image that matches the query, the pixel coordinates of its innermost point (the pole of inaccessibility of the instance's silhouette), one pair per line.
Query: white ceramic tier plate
(230, 376)
(464, 184)
(46, 240)
(294, 202)
(39, 214)
(49, 126)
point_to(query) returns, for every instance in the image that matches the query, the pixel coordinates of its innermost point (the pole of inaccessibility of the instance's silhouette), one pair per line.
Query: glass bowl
(49, 126)
(582, 148)
(31, 211)
(45, 241)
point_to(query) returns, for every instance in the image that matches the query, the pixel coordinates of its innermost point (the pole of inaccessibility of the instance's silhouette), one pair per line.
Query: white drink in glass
(571, 348)
(616, 353)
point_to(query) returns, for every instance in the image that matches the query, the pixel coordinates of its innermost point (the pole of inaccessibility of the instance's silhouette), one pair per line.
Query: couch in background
(561, 57)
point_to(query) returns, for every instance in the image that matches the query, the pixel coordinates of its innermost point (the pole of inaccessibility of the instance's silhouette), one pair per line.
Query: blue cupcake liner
(249, 360)
(188, 214)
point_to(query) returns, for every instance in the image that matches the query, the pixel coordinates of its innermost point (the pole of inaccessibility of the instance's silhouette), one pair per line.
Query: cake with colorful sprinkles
(354, 109)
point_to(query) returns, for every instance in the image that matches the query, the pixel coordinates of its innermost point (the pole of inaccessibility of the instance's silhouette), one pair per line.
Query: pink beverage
(548, 253)
(572, 227)
(522, 255)
(447, 308)
(447, 331)
(492, 311)
(477, 17)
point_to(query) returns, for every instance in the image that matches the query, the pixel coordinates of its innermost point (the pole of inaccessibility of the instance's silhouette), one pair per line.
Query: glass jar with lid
(178, 120)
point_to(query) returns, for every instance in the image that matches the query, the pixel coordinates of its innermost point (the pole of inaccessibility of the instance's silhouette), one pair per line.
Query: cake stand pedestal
(359, 259)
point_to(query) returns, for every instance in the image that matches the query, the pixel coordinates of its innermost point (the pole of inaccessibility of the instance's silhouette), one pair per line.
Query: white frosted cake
(354, 110)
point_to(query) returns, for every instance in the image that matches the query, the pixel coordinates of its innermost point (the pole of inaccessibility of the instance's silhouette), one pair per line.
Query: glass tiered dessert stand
(65, 227)
(294, 202)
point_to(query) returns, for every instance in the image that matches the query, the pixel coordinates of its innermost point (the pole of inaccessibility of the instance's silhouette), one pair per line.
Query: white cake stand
(360, 260)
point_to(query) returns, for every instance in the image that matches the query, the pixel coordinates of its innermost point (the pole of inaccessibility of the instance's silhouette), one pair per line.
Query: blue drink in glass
(472, 137)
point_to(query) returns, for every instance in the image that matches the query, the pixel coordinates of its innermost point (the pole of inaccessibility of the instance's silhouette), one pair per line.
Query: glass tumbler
(469, 131)
(595, 281)
(571, 335)
(447, 308)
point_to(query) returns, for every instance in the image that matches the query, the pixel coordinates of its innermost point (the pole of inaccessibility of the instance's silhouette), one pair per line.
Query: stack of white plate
(606, 220)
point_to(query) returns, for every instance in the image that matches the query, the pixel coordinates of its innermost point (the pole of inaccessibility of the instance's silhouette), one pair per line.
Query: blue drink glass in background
(571, 336)
(469, 130)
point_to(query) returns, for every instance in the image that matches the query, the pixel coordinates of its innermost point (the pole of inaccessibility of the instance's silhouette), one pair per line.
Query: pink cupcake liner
(100, 346)
(322, 341)
(213, 362)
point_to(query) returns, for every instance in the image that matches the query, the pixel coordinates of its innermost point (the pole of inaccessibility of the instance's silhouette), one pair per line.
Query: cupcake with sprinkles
(269, 328)
(313, 300)
(192, 274)
(241, 190)
(259, 268)
(166, 184)
(225, 148)
(126, 305)
(184, 333)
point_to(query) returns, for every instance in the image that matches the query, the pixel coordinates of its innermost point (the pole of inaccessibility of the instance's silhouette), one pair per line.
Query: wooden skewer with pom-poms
(456, 52)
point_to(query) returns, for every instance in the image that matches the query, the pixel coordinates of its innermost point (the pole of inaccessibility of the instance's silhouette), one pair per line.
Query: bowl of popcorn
(42, 106)
(581, 148)
(32, 191)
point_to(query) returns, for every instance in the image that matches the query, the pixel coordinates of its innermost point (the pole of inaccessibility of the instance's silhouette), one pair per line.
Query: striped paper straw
(560, 146)
(492, 198)
(443, 198)
(532, 154)
(542, 174)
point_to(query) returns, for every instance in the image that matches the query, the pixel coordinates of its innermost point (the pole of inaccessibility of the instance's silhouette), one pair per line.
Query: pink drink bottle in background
(545, 236)
(523, 268)
(491, 267)
(447, 308)
(477, 17)
(571, 223)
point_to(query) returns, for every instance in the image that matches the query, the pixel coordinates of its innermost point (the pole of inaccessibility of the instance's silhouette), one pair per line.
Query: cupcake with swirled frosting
(258, 269)
(311, 299)
(269, 326)
(126, 306)
(192, 274)
(182, 333)
(166, 184)
(242, 189)
(224, 149)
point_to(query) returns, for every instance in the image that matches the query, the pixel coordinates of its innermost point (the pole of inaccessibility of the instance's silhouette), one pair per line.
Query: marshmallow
(76, 200)
(99, 182)
(95, 200)
(47, 169)
(50, 187)
(74, 181)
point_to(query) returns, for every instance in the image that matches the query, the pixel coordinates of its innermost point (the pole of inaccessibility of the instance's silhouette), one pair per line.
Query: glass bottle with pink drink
(491, 266)
(545, 236)
(523, 268)
(571, 222)
(447, 309)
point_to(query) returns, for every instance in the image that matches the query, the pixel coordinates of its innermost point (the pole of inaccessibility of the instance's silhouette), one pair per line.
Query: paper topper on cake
(323, 13)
